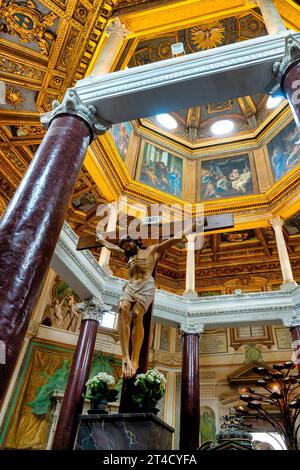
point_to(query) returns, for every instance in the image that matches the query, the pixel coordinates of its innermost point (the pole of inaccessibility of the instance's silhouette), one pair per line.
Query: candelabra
(278, 391)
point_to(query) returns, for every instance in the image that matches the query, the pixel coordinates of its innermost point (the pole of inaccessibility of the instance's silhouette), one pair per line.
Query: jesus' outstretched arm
(180, 236)
(109, 246)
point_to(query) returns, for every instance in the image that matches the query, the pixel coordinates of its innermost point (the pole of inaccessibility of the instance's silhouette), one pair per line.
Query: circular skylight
(222, 127)
(166, 120)
(274, 101)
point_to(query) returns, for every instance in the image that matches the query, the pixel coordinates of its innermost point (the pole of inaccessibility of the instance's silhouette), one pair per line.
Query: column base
(190, 294)
(288, 285)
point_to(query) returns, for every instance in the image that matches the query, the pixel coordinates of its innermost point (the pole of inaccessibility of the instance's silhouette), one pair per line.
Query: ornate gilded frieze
(28, 23)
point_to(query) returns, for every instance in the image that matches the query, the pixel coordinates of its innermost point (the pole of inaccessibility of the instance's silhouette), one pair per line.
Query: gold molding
(181, 14)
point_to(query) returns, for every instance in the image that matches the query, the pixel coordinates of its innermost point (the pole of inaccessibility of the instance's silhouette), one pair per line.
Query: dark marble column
(30, 227)
(287, 76)
(72, 404)
(190, 388)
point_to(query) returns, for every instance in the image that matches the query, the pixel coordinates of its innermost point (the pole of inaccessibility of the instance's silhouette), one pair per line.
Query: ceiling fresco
(203, 36)
(194, 124)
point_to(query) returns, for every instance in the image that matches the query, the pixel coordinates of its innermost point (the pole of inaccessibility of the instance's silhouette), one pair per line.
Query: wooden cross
(212, 223)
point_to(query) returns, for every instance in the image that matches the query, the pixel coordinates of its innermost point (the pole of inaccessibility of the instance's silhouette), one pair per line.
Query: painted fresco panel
(120, 134)
(226, 177)
(161, 170)
(284, 151)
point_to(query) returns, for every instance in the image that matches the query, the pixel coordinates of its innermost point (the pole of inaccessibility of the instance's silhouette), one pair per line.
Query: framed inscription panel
(214, 342)
(283, 338)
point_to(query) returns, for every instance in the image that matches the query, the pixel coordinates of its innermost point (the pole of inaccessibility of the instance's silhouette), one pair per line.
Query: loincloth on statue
(141, 292)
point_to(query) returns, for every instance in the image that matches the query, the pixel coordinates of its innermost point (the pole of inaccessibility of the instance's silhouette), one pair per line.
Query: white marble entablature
(230, 71)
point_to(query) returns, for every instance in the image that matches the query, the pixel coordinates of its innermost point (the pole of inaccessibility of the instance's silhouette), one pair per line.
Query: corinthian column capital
(188, 328)
(277, 222)
(117, 27)
(291, 321)
(291, 55)
(72, 104)
(93, 309)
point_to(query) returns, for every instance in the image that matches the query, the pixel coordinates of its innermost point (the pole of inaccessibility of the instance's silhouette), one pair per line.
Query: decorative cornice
(93, 309)
(72, 104)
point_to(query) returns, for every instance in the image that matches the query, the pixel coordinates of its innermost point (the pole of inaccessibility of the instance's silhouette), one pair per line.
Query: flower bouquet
(149, 388)
(100, 391)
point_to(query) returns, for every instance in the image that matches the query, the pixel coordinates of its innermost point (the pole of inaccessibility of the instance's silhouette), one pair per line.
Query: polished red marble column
(72, 404)
(190, 389)
(31, 224)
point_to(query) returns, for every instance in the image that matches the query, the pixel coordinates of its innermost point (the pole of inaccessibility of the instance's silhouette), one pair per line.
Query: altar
(123, 431)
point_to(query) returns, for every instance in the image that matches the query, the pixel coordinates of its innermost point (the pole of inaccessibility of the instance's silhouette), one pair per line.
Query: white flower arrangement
(149, 388)
(152, 376)
(100, 387)
(101, 377)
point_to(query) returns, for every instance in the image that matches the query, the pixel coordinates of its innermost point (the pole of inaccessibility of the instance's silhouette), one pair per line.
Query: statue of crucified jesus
(138, 293)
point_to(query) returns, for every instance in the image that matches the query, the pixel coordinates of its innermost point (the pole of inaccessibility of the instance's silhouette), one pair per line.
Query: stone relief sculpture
(63, 312)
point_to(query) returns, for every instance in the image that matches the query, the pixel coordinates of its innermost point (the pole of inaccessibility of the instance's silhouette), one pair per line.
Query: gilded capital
(72, 104)
(93, 309)
(117, 27)
(192, 328)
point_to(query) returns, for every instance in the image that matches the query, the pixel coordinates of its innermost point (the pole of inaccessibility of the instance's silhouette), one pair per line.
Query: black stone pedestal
(126, 431)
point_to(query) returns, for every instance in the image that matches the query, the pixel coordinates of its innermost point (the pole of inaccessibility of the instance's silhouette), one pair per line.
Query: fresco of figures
(284, 151)
(120, 134)
(161, 170)
(226, 177)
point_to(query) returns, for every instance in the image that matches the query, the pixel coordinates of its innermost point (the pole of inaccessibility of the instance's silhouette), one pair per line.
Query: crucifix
(136, 302)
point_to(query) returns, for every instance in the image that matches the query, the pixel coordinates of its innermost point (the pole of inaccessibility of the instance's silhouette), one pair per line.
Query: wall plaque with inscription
(283, 338)
(213, 343)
